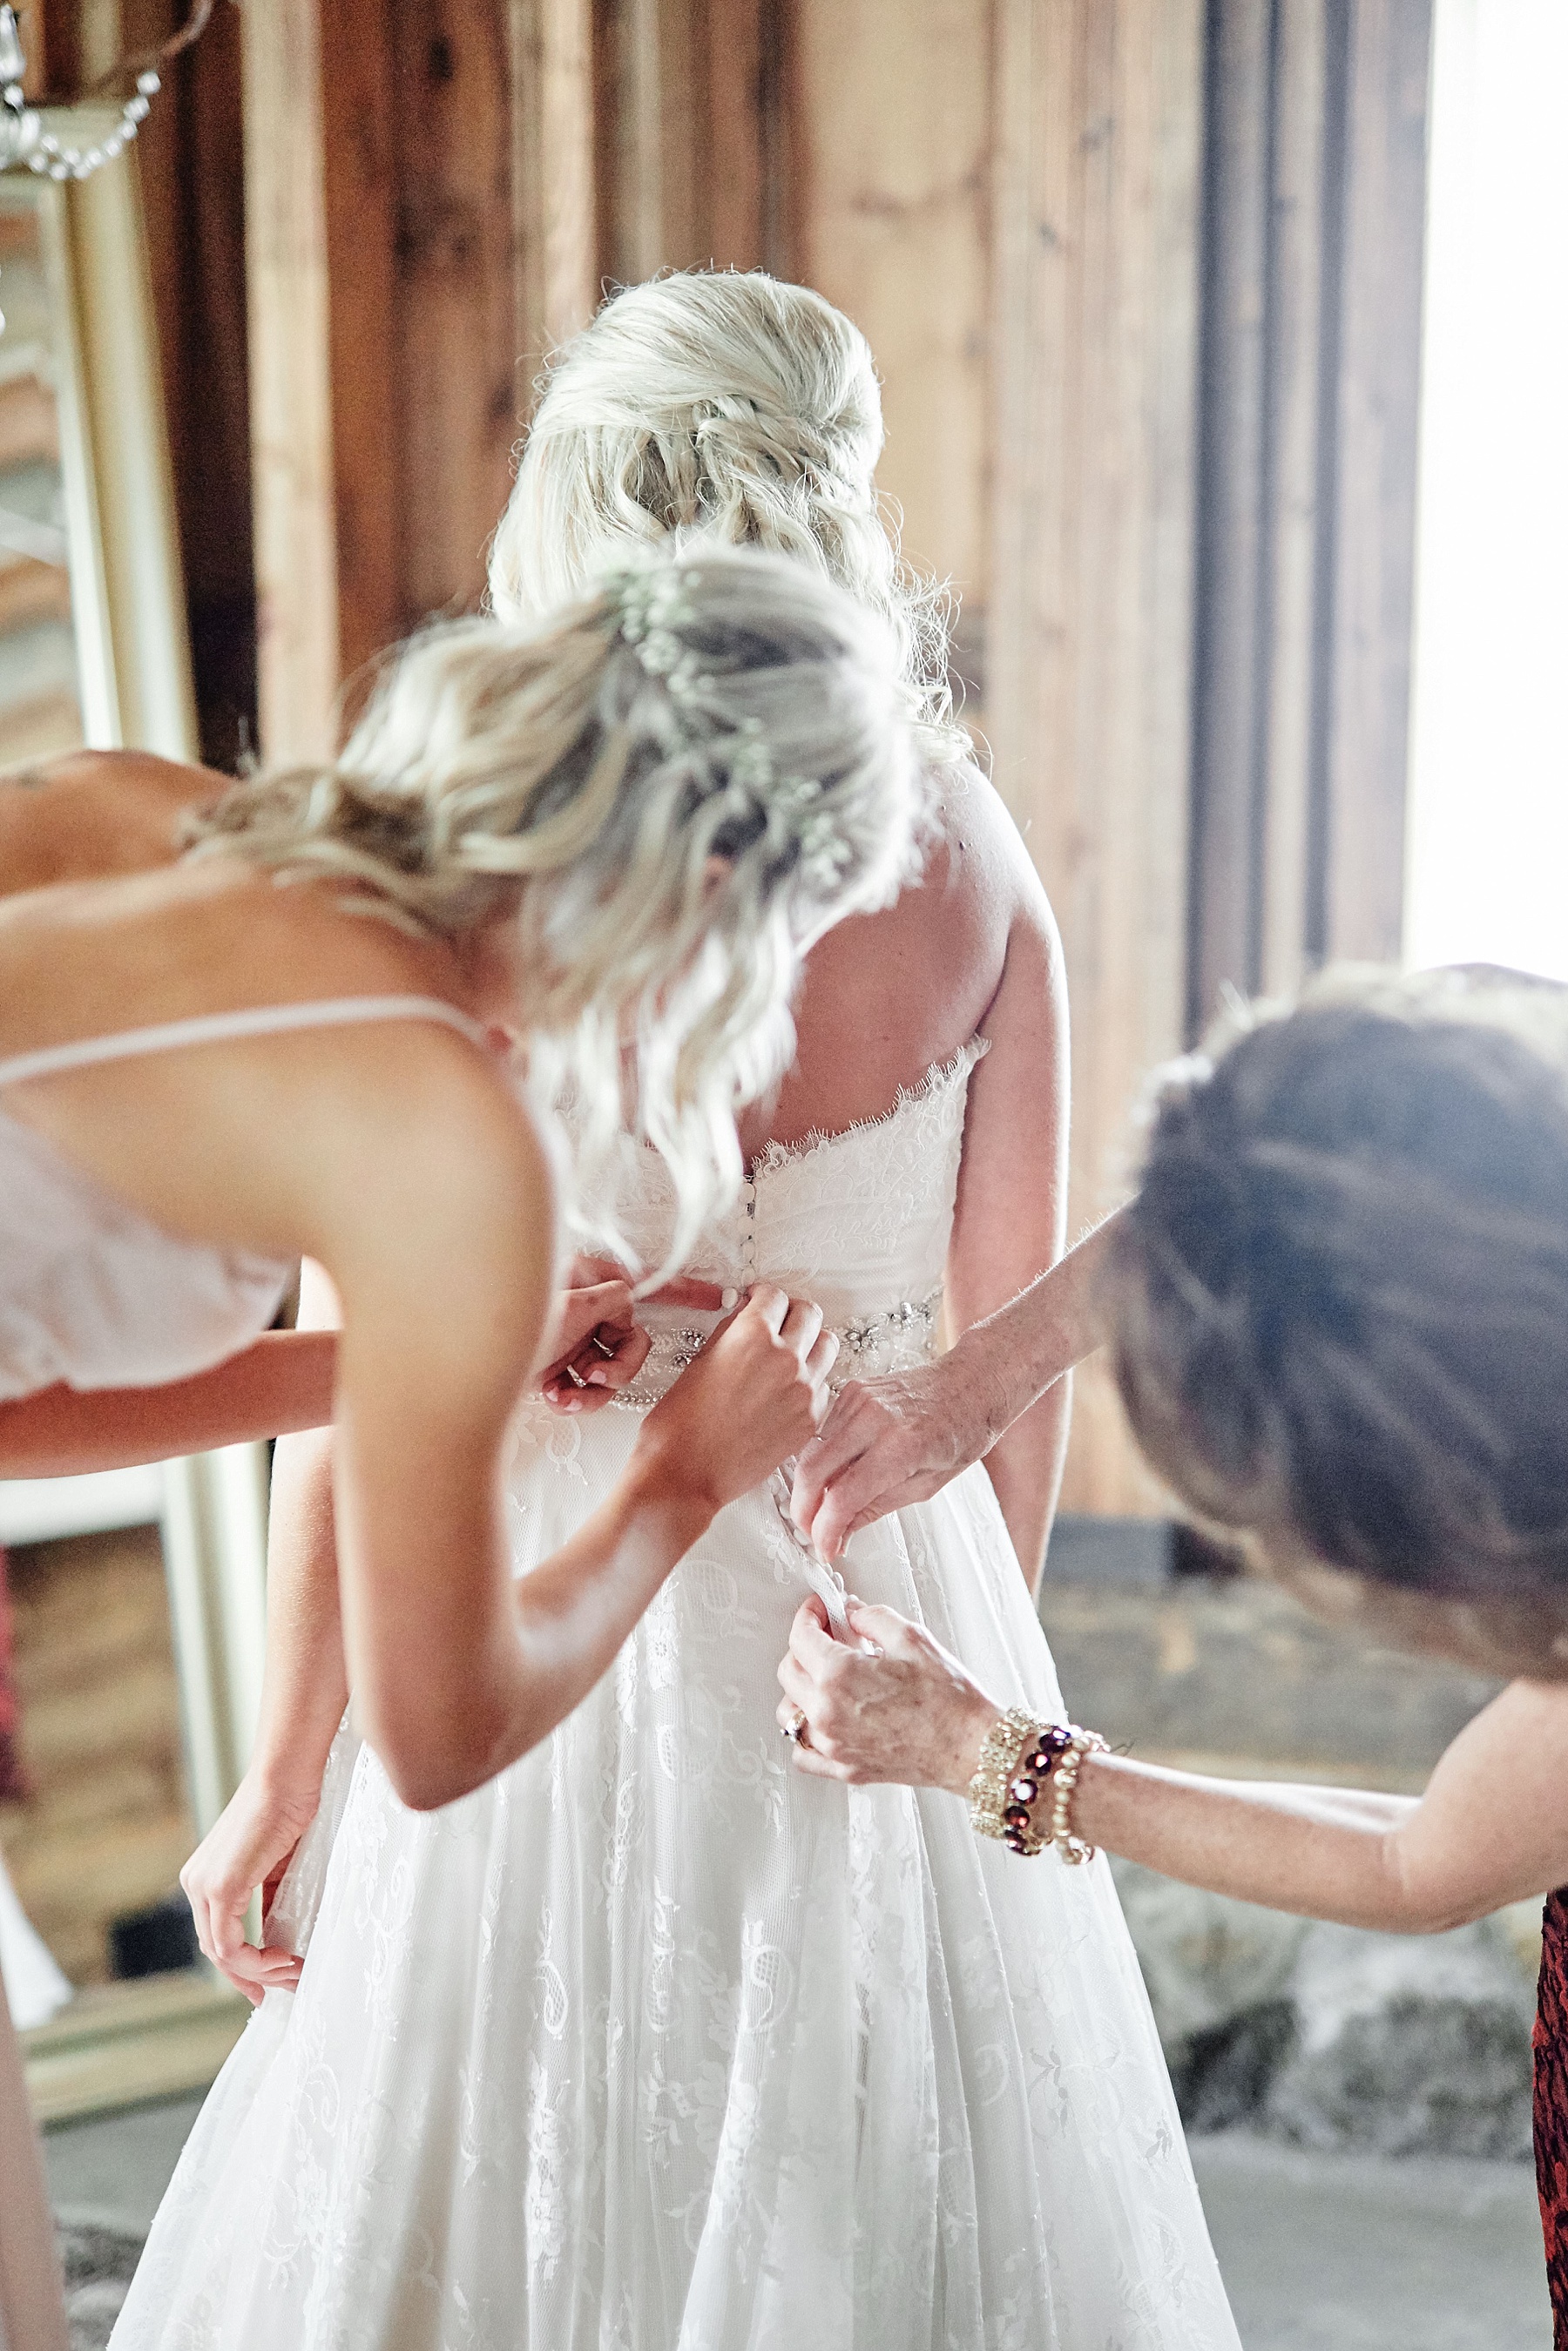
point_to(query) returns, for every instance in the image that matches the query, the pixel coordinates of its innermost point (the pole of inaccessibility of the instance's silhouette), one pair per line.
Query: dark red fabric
(13, 1779)
(1551, 2105)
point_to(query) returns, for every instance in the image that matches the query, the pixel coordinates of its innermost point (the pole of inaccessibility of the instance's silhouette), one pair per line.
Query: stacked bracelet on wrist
(1025, 1763)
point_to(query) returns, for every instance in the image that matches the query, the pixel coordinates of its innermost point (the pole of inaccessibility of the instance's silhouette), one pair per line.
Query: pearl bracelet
(1064, 1785)
(1022, 1761)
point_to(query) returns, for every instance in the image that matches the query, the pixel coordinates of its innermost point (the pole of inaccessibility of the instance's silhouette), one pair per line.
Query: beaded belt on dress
(876, 1343)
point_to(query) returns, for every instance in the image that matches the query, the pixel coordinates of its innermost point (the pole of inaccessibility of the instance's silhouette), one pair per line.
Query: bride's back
(888, 997)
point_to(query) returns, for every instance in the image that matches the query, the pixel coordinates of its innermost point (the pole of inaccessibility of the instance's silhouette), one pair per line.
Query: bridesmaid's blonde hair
(722, 406)
(668, 791)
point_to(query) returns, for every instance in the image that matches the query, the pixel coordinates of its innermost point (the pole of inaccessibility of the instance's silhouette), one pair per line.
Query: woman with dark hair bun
(1338, 1308)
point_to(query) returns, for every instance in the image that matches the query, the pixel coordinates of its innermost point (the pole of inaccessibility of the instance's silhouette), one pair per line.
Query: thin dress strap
(218, 1027)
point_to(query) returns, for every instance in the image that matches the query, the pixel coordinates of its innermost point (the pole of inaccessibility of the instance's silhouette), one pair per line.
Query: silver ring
(795, 1732)
(595, 1341)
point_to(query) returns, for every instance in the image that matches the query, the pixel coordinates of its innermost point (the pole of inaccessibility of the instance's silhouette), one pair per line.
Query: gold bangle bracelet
(1003, 1744)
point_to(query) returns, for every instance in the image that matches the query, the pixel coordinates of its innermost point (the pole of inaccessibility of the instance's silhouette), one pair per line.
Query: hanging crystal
(13, 59)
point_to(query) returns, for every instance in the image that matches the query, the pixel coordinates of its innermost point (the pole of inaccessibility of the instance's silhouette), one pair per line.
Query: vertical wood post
(1316, 204)
(1374, 528)
(554, 208)
(1097, 156)
(299, 649)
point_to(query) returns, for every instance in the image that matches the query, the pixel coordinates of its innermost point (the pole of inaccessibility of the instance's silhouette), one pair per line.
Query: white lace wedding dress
(651, 2044)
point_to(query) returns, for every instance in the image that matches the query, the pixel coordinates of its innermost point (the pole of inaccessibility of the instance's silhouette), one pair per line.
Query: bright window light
(1488, 860)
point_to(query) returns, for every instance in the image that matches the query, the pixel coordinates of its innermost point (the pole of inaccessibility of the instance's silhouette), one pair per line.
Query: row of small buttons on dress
(731, 1298)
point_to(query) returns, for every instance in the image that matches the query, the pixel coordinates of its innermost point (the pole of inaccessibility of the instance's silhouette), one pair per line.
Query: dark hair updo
(1340, 1299)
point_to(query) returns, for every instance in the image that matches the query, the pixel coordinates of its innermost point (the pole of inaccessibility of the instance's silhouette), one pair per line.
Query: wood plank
(1295, 370)
(555, 166)
(733, 157)
(1099, 113)
(108, 1824)
(191, 158)
(1379, 386)
(114, 2047)
(361, 207)
(456, 359)
(289, 330)
(1231, 620)
(895, 138)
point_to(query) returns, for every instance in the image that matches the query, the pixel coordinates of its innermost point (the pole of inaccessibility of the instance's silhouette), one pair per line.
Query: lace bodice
(859, 1221)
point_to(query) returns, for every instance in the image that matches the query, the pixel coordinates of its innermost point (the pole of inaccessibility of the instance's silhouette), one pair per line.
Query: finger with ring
(796, 1731)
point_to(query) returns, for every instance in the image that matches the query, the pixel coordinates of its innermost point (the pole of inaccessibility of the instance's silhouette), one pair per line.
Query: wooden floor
(107, 1825)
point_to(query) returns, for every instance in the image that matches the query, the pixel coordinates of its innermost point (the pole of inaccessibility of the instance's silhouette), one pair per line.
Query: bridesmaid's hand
(595, 1345)
(891, 1705)
(596, 1334)
(755, 1395)
(247, 1846)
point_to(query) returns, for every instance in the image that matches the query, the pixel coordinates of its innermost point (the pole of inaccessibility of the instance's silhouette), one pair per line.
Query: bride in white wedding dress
(651, 2043)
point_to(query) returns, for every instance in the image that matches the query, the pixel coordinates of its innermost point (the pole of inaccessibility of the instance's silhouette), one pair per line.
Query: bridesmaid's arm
(305, 1689)
(283, 1381)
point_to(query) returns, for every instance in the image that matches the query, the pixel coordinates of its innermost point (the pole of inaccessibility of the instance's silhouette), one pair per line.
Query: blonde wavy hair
(668, 792)
(721, 406)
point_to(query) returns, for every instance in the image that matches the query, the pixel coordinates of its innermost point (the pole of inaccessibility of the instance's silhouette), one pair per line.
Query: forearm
(305, 1686)
(1017, 1356)
(282, 1382)
(1025, 1470)
(1322, 1853)
(447, 1711)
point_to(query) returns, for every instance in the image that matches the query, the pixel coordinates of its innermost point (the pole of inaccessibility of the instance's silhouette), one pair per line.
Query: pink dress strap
(219, 1028)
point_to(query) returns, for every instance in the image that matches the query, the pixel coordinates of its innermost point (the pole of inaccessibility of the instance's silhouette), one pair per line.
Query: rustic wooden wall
(108, 1826)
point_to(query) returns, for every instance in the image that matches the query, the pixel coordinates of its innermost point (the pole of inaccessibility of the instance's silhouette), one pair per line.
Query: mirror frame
(118, 2043)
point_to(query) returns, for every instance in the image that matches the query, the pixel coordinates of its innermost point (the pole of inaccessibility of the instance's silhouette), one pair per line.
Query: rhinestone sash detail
(896, 1341)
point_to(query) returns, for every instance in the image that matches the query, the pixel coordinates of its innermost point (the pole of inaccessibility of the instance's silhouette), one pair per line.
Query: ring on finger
(607, 1351)
(575, 1377)
(796, 1731)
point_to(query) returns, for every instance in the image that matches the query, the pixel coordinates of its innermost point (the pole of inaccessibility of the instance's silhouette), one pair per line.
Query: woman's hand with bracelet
(894, 1705)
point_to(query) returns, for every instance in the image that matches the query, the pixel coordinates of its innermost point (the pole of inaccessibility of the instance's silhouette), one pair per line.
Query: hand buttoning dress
(653, 2045)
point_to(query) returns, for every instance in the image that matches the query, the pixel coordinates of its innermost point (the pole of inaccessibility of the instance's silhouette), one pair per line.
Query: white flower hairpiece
(653, 603)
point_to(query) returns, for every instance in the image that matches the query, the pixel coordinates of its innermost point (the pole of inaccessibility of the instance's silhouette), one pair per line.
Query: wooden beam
(1097, 159)
(289, 318)
(1295, 341)
(361, 195)
(895, 100)
(1235, 420)
(555, 210)
(1374, 501)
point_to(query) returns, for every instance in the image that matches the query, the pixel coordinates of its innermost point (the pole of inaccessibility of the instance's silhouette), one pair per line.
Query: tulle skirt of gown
(653, 2045)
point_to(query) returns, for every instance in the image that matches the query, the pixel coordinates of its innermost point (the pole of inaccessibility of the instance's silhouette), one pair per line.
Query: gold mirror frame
(122, 2042)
